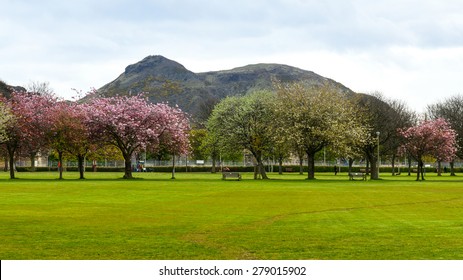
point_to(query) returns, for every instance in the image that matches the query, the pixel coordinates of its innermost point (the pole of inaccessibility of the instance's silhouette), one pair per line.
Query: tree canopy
(132, 124)
(429, 138)
(245, 123)
(316, 117)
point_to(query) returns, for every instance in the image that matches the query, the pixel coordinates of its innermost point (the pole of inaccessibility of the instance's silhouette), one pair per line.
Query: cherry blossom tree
(175, 138)
(69, 133)
(27, 132)
(433, 138)
(132, 124)
(451, 109)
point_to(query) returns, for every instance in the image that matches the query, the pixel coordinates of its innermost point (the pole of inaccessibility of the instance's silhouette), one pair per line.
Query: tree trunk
(6, 164)
(452, 168)
(393, 164)
(439, 168)
(420, 170)
(128, 166)
(280, 166)
(32, 159)
(12, 176)
(213, 170)
(311, 165)
(351, 162)
(260, 169)
(373, 166)
(80, 159)
(11, 152)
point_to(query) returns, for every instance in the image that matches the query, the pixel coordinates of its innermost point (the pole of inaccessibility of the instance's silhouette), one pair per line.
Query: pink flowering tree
(69, 134)
(27, 132)
(132, 124)
(175, 138)
(433, 138)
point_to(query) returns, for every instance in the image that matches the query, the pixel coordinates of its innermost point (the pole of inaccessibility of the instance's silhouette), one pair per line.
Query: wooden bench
(353, 175)
(288, 169)
(236, 175)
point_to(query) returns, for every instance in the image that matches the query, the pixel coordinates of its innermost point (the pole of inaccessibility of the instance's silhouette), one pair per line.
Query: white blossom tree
(5, 118)
(316, 117)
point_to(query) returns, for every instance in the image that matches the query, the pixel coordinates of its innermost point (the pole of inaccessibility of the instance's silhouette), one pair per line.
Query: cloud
(401, 47)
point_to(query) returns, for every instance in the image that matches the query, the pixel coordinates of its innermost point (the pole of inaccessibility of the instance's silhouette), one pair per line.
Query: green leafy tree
(386, 117)
(245, 122)
(197, 138)
(212, 144)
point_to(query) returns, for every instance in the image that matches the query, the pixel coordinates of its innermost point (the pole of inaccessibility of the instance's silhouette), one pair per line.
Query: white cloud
(404, 48)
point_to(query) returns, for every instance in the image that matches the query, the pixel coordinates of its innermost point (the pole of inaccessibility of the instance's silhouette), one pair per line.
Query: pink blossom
(433, 138)
(132, 124)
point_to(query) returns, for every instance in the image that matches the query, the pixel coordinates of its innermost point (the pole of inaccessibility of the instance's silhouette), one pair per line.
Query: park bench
(288, 169)
(353, 175)
(236, 175)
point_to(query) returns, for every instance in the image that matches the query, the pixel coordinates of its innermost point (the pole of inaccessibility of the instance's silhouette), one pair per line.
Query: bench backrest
(231, 174)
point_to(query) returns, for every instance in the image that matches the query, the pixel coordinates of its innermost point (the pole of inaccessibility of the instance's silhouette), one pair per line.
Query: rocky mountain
(6, 90)
(164, 80)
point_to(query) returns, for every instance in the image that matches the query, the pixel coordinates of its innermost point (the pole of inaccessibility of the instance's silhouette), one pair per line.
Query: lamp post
(379, 162)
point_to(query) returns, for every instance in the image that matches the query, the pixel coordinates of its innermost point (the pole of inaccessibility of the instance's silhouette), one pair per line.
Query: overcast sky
(406, 49)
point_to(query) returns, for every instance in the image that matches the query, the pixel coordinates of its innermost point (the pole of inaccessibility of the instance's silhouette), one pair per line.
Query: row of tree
(300, 120)
(293, 120)
(31, 123)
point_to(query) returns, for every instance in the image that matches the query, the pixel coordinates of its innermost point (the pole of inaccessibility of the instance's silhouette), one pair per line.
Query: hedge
(286, 168)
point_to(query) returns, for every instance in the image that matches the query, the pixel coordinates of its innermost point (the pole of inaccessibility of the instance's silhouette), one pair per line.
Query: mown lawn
(199, 216)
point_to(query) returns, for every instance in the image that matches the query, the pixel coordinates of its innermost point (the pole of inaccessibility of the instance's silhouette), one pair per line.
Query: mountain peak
(155, 64)
(162, 79)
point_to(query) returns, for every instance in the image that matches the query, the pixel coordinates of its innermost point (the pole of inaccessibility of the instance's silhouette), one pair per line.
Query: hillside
(166, 80)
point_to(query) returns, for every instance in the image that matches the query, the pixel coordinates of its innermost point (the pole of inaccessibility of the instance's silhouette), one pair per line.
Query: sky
(410, 50)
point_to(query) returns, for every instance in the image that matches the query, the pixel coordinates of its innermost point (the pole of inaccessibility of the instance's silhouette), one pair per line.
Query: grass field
(199, 216)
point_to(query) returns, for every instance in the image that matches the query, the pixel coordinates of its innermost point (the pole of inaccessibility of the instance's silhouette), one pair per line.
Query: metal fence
(183, 161)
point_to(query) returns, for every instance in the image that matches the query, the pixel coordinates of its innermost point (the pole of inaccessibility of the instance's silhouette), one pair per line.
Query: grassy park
(199, 216)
